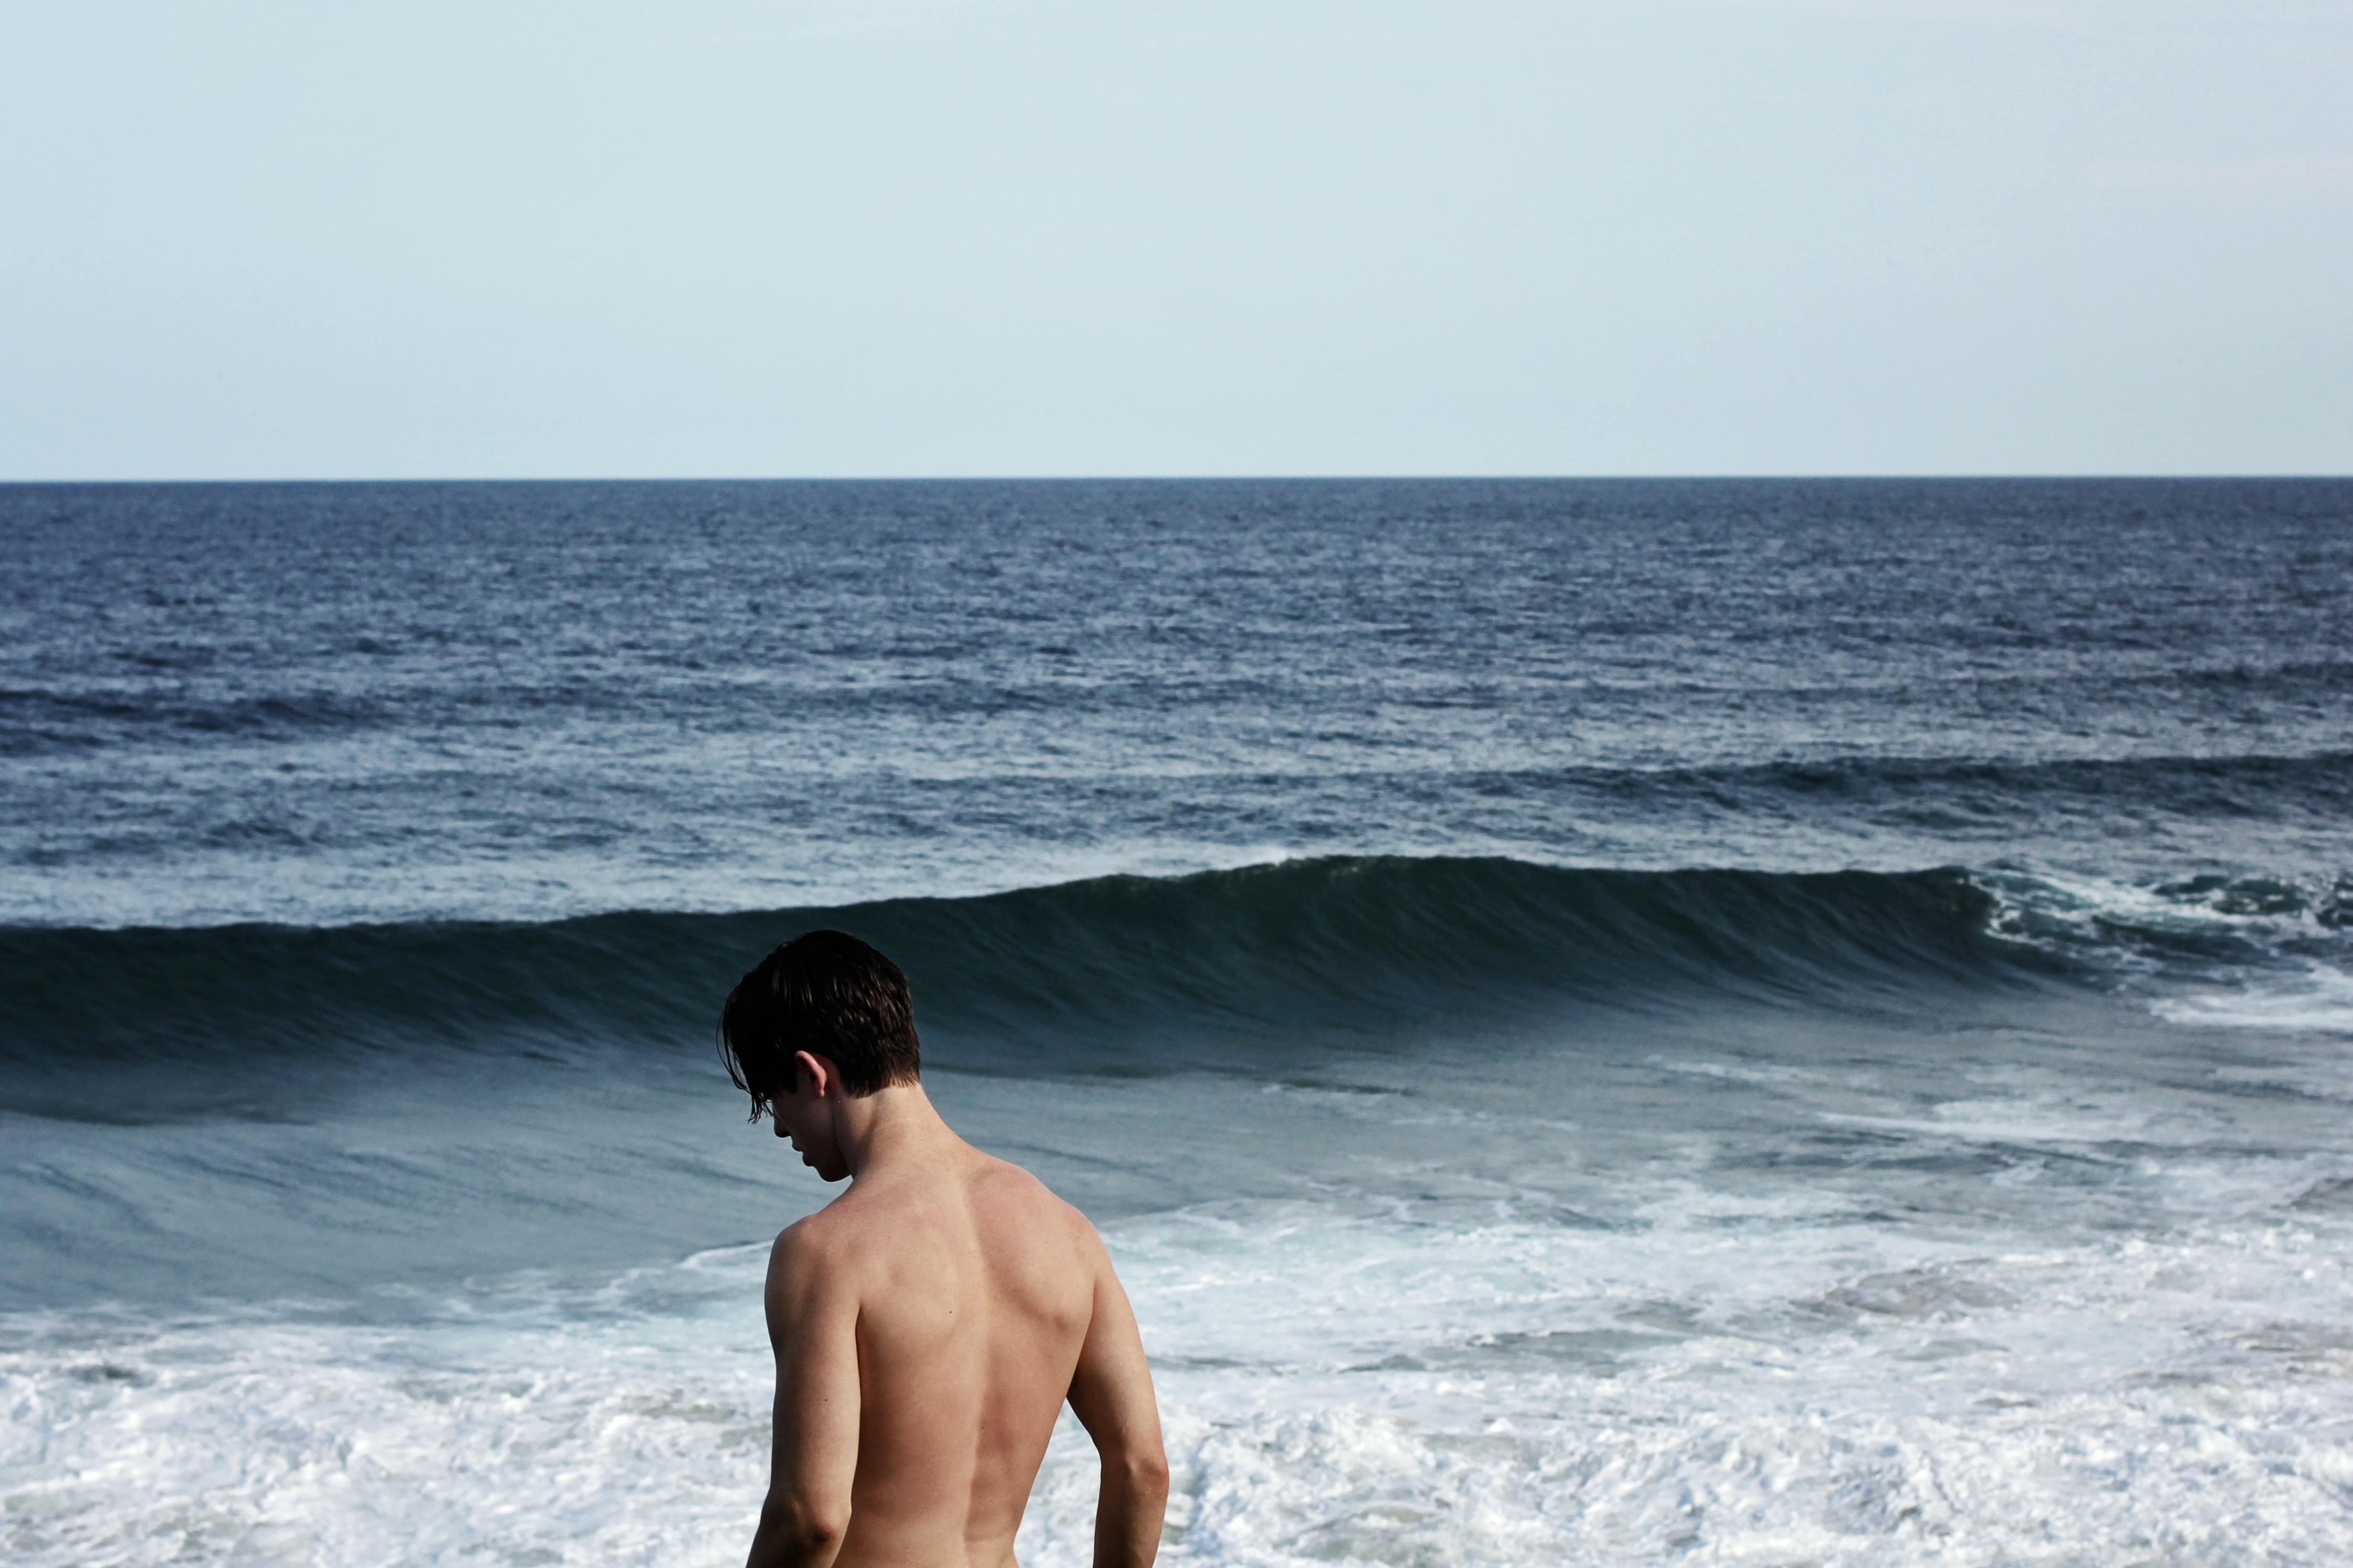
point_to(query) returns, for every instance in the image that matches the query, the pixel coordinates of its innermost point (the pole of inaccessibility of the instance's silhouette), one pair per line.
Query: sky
(941, 238)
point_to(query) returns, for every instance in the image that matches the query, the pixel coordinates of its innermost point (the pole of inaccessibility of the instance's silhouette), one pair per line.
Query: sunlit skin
(928, 1325)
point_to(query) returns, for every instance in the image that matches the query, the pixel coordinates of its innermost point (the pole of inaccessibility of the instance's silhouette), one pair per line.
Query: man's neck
(893, 1127)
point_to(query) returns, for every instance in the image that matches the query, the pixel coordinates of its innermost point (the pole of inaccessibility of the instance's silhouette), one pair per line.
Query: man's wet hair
(827, 993)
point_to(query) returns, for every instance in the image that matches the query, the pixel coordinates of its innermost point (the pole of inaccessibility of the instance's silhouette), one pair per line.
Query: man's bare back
(928, 1325)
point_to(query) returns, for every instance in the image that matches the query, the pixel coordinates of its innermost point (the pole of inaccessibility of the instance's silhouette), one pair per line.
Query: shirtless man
(930, 1322)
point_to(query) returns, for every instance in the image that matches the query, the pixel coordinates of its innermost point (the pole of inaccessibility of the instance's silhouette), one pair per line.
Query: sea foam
(1720, 1382)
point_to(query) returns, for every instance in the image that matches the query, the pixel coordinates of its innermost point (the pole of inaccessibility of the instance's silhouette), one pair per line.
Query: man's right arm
(813, 1325)
(1111, 1394)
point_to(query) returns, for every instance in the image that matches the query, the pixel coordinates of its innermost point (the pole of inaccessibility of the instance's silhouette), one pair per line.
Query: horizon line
(1887, 477)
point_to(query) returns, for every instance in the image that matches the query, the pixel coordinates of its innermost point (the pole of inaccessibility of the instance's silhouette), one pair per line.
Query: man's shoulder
(1030, 1216)
(1001, 1182)
(854, 1234)
(813, 1249)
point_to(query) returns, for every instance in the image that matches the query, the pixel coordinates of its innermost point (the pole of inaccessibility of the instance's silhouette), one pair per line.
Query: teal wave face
(253, 1110)
(1117, 974)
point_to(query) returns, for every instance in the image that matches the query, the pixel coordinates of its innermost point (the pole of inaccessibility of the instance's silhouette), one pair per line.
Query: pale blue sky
(1033, 236)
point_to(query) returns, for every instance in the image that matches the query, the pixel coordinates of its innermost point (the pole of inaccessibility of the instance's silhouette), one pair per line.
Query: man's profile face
(803, 1113)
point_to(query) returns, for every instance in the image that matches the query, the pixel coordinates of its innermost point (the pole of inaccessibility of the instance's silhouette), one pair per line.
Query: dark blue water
(343, 702)
(1759, 1021)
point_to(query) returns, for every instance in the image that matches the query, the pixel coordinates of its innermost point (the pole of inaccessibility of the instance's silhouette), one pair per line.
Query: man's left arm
(813, 1326)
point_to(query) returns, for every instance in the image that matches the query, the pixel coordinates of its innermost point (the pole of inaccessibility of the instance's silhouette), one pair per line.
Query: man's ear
(821, 1078)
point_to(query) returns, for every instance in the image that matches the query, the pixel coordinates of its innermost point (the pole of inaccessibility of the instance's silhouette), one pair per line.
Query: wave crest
(1381, 945)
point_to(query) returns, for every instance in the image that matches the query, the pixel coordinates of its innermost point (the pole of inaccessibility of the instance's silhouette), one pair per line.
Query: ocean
(1603, 1023)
